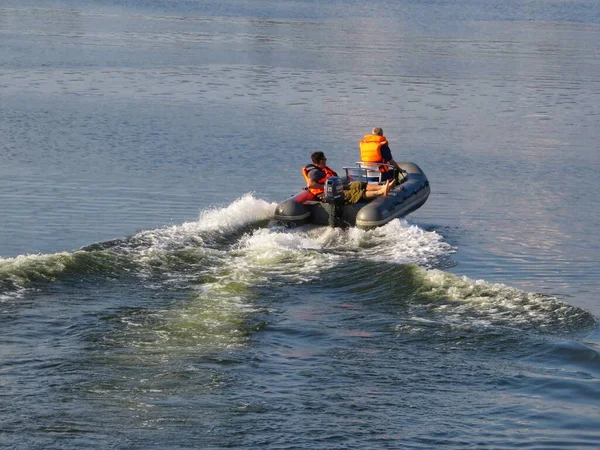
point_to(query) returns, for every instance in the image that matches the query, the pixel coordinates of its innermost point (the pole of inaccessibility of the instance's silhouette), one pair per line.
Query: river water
(147, 300)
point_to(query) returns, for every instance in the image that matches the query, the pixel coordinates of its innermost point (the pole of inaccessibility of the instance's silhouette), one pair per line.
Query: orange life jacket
(328, 173)
(370, 150)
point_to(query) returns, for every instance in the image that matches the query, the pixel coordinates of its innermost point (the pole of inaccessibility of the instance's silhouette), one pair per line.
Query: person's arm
(393, 163)
(386, 154)
(314, 175)
(314, 185)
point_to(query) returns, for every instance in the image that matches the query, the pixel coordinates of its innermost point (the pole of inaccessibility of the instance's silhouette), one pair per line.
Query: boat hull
(403, 199)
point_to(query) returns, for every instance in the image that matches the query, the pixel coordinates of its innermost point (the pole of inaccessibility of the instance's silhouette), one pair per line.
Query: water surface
(147, 301)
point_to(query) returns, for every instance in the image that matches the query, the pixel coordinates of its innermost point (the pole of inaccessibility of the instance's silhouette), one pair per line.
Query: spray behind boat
(334, 197)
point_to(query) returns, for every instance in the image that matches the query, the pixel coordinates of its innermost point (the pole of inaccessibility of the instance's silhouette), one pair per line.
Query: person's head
(318, 158)
(378, 131)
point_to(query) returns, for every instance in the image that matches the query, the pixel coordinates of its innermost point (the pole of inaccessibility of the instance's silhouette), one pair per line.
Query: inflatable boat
(408, 195)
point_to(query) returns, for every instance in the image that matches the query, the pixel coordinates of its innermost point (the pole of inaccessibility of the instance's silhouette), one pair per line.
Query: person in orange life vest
(316, 173)
(375, 148)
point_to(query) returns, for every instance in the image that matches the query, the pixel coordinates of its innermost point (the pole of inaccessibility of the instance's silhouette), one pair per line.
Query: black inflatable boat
(407, 196)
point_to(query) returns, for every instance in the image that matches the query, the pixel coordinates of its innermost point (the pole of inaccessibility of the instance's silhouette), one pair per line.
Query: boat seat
(366, 171)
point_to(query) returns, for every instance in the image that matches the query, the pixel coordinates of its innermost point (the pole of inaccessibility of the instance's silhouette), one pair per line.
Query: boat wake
(144, 253)
(230, 253)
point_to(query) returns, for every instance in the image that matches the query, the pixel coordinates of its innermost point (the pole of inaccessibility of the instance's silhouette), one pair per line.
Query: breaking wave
(143, 253)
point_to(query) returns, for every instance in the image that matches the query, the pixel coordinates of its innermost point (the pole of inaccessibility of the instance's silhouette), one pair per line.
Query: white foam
(402, 243)
(396, 242)
(220, 220)
(160, 243)
(243, 211)
(480, 304)
(293, 254)
(301, 254)
(147, 248)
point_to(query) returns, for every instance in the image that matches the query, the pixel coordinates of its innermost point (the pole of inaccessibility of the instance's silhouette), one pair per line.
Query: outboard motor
(334, 197)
